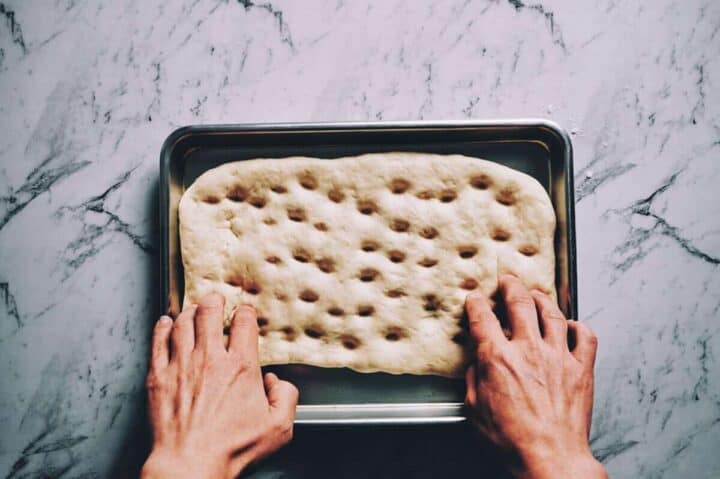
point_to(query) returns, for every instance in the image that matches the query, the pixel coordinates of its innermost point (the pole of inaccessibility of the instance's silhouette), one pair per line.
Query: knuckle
(282, 427)
(474, 321)
(154, 381)
(533, 349)
(488, 352)
(212, 300)
(562, 329)
(161, 328)
(206, 310)
(475, 301)
(181, 324)
(520, 301)
(244, 320)
(246, 310)
(587, 334)
(540, 295)
(212, 363)
(243, 365)
(556, 317)
(240, 321)
(582, 381)
(285, 427)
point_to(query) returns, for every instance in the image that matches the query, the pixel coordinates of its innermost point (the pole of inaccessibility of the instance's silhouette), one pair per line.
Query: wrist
(162, 464)
(559, 463)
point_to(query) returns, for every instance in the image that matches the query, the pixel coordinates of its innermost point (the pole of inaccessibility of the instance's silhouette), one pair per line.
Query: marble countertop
(89, 90)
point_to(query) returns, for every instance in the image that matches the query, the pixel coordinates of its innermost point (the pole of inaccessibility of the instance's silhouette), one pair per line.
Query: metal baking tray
(340, 396)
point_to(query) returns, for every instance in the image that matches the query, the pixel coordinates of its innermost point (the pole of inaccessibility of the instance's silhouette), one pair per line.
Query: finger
(160, 352)
(586, 343)
(209, 322)
(484, 325)
(552, 321)
(182, 337)
(244, 334)
(470, 385)
(282, 396)
(520, 308)
(269, 380)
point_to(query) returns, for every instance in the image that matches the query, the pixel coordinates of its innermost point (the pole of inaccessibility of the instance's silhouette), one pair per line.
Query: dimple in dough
(364, 262)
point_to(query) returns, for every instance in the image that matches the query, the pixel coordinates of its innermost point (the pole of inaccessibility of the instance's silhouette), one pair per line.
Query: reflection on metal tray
(341, 396)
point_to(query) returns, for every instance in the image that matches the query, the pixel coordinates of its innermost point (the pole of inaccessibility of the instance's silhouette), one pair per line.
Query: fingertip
(269, 381)
(585, 342)
(244, 332)
(589, 335)
(477, 305)
(475, 300)
(470, 384)
(283, 394)
(245, 313)
(470, 375)
(520, 308)
(182, 334)
(474, 296)
(159, 354)
(292, 391)
(188, 311)
(211, 300)
(541, 295)
(245, 309)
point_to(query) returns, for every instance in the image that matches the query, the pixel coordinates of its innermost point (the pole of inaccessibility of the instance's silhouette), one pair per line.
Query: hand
(212, 413)
(531, 395)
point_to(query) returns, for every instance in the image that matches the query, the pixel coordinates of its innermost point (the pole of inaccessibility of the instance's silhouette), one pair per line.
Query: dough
(364, 262)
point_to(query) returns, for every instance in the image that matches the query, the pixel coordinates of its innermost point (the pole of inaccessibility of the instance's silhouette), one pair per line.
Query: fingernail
(165, 320)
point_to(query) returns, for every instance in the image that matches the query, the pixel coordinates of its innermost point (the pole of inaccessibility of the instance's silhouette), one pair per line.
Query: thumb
(282, 396)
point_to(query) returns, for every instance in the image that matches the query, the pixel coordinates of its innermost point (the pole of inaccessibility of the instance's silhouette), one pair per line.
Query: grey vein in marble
(549, 17)
(14, 26)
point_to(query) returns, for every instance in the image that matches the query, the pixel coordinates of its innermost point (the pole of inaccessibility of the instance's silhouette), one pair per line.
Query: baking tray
(341, 396)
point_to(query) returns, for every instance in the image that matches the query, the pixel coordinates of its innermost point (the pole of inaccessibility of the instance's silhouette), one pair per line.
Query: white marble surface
(89, 90)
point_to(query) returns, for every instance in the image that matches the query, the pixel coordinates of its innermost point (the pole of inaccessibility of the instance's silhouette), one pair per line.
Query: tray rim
(383, 413)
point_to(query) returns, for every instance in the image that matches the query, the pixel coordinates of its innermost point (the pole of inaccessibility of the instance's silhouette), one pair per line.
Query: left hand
(212, 412)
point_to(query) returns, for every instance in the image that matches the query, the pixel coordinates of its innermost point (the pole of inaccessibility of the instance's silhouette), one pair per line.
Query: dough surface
(364, 262)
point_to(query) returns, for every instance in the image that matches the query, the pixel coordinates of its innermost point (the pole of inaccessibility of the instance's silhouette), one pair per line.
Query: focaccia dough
(364, 262)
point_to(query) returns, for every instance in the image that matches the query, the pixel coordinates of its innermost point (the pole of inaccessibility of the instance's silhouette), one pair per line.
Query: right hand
(531, 395)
